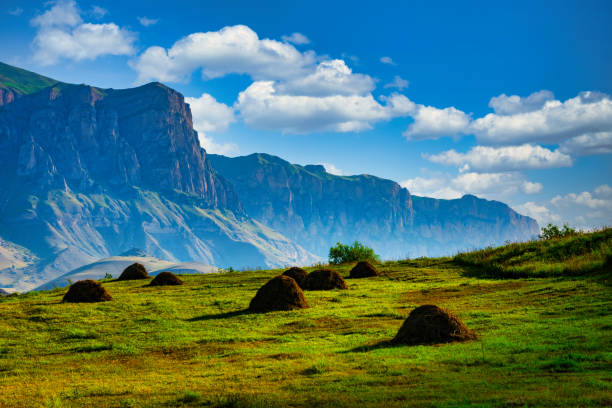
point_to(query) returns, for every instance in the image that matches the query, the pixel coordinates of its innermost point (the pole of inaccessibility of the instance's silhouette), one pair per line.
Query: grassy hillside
(579, 254)
(542, 342)
(24, 82)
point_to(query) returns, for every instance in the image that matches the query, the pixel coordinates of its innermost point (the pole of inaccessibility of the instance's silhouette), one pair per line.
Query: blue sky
(508, 102)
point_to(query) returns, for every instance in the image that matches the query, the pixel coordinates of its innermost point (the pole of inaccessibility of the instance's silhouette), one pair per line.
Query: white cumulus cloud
(331, 169)
(513, 104)
(146, 22)
(296, 38)
(586, 209)
(387, 60)
(98, 12)
(495, 186)
(398, 83)
(588, 144)
(581, 125)
(331, 77)
(231, 50)
(432, 123)
(209, 115)
(547, 121)
(62, 34)
(506, 158)
(542, 214)
(262, 107)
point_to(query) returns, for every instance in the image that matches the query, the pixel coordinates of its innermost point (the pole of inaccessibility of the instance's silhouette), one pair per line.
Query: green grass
(542, 342)
(23, 81)
(580, 254)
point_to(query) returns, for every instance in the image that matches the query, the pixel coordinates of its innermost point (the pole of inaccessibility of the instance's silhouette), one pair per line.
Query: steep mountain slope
(16, 82)
(317, 209)
(89, 173)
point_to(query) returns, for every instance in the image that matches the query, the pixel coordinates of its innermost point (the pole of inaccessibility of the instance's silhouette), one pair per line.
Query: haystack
(325, 279)
(134, 271)
(279, 293)
(430, 324)
(363, 269)
(298, 274)
(86, 291)
(166, 279)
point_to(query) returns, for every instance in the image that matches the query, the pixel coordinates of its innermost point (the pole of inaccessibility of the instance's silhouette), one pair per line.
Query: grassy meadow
(544, 340)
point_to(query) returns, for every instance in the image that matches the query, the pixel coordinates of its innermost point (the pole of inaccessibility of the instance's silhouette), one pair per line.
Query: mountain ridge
(318, 209)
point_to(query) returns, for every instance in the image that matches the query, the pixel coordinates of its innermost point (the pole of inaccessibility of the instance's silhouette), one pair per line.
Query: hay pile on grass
(279, 293)
(86, 291)
(298, 274)
(133, 272)
(166, 279)
(363, 269)
(325, 279)
(430, 324)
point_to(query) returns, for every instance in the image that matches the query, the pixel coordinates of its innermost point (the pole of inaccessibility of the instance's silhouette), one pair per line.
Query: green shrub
(357, 252)
(552, 231)
(575, 254)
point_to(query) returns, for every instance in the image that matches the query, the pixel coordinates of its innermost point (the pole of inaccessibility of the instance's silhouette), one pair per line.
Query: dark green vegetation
(541, 342)
(552, 231)
(351, 253)
(22, 81)
(572, 255)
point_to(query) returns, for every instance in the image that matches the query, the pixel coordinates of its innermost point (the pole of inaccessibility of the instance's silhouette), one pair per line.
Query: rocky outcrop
(7, 95)
(317, 209)
(89, 139)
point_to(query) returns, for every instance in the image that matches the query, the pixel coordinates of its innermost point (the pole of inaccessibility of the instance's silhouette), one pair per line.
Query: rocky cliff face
(89, 173)
(7, 95)
(317, 209)
(91, 139)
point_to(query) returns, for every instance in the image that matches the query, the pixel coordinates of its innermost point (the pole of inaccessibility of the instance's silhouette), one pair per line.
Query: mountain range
(89, 173)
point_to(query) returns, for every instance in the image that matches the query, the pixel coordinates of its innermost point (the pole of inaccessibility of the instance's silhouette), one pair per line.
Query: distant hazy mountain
(89, 173)
(116, 264)
(317, 209)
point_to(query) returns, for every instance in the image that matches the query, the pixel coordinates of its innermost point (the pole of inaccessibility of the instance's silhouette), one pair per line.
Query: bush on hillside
(578, 254)
(351, 253)
(551, 231)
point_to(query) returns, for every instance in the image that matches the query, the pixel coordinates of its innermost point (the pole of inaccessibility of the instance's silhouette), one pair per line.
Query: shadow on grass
(92, 348)
(369, 347)
(219, 316)
(390, 344)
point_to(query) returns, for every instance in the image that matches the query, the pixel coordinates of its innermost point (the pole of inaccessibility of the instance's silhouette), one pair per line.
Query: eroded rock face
(7, 96)
(86, 138)
(318, 209)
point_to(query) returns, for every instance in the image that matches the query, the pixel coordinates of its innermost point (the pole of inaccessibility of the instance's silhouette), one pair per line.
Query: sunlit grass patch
(198, 345)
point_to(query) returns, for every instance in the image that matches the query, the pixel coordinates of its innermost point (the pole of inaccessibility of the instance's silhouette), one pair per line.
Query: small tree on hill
(551, 231)
(350, 253)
